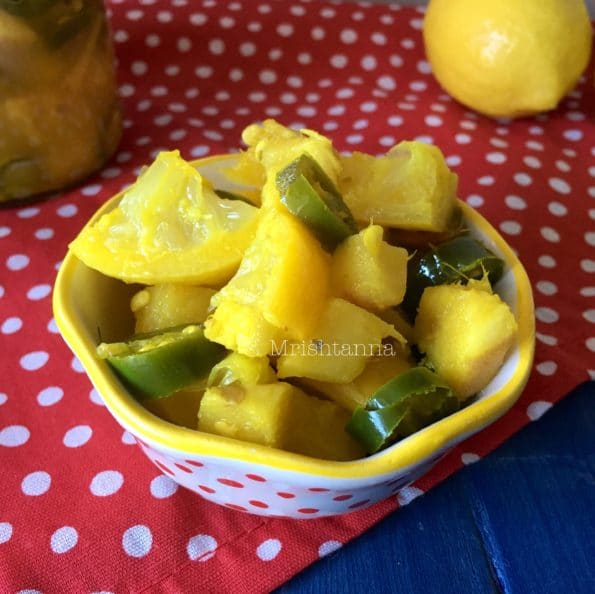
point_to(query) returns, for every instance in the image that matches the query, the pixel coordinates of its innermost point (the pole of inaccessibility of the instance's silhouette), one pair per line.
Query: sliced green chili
(158, 364)
(309, 194)
(402, 406)
(458, 260)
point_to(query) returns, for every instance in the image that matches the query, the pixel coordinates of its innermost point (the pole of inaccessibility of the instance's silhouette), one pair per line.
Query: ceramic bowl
(263, 480)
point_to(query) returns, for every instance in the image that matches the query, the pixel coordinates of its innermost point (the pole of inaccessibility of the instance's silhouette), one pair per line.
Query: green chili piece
(158, 364)
(458, 260)
(309, 194)
(402, 406)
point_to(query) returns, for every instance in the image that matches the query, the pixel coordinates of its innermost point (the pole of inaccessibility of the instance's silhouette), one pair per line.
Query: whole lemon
(508, 58)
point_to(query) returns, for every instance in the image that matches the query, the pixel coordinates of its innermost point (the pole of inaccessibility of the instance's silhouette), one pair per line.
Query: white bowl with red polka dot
(262, 480)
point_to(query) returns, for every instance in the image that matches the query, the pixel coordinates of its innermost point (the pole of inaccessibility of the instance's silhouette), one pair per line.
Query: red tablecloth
(81, 509)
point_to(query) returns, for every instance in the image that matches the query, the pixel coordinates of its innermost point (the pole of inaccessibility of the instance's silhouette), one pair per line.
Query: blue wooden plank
(521, 520)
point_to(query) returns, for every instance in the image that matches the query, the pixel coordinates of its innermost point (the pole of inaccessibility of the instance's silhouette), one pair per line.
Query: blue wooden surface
(520, 521)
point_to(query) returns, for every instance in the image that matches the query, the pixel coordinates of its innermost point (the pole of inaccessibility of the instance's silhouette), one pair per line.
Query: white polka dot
(587, 291)
(433, 121)
(590, 238)
(557, 208)
(162, 487)
(547, 368)
(546, 288)
(139, 68)
(96, 398)
(531, 161)
(589, 315)
(204, 71)
(339, 61)
(590, 343)
(387, 141)
(451, 160)
(28, 213)
(499, 142)
(328, 547)
(547, 315)
(486, 180)
(247, 49)
(550, 234)
(164, 16)
(348, 36)
(523, 179)
(267, 76)
(134, 15)
(573, 135)
(39, 292)
(17, 262)
(475, 200)
(3, 398)
(199, 151)
(184, 44)
(163, 119)
(5, 532)
(198, 18)
(469, 458)
(546, 339)
(368, 106)
(77, 436)
(587, 265)
(36, 483)
(137, 541)
(547, 261)
(386, 82)
(396, 62)
(67, 210)
(64, 539)
(511, 227)
(269, 549)
(14, 436)
(559, 185)
(536, 409)
(11, 325)
(534, 145)
(285, 30)
(496, 157)
(563, 166)
(462, 138)
(515, 202)
(152, 40)
(50, 396)
(34, 360)
(111, 172)
(354, 139)
(201, 547)
(424, 67)
(44, 233)
(106, 483)
(395, 120)
(408, 494)
(128, 438)
(91, 190)
(5, 231)
(76, 365)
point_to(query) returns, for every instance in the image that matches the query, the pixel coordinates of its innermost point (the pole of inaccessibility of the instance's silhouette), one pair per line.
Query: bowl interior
(90, 307)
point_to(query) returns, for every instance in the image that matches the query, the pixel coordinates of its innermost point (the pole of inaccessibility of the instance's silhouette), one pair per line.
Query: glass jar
(60, 117)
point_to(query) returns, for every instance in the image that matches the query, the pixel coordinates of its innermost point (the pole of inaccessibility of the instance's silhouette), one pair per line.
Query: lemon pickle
(158, 364)
(275, 311)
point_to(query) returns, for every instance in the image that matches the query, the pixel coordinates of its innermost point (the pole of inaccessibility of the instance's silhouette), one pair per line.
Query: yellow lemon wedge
(169, 227)
(508, 58)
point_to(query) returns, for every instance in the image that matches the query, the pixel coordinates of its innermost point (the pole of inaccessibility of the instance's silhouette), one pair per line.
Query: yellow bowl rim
(396, 459)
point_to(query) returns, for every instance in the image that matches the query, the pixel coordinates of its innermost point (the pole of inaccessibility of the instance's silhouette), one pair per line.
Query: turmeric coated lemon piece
(169, 227)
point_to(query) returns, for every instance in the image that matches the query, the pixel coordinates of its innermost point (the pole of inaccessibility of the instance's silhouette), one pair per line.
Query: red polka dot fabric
(82, 509)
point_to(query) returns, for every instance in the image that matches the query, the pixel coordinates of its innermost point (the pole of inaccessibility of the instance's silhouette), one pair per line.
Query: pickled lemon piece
(169, 227)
